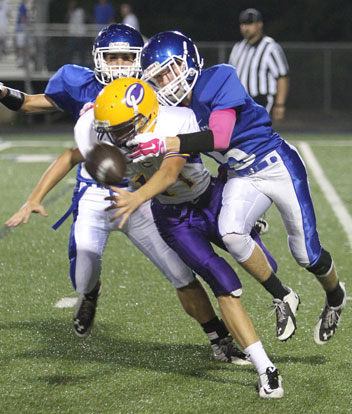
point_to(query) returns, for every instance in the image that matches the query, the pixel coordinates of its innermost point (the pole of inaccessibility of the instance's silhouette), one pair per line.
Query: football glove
(147, 145)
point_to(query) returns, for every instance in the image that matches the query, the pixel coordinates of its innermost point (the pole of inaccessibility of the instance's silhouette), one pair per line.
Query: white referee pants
(283, 183)
(90, 232)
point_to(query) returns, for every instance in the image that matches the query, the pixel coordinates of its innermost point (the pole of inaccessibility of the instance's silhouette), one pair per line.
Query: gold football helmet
(124, 108)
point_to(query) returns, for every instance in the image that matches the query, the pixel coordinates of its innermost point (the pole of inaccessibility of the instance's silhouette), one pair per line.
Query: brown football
(106, 164)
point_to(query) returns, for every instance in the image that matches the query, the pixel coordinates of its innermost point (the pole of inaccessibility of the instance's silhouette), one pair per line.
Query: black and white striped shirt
(259, 66)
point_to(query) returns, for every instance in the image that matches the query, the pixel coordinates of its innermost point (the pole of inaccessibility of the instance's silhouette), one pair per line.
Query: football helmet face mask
(174, 53)
(120, 39)
(124, 108)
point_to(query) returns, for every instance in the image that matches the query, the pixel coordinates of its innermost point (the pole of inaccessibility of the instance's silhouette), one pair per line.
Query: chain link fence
(319, 72)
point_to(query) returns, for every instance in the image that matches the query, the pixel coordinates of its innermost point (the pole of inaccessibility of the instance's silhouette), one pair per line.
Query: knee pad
(323, 265)
(240, 246)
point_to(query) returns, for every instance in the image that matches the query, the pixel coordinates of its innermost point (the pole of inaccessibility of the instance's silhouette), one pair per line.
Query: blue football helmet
(117, 38)
(171, 51)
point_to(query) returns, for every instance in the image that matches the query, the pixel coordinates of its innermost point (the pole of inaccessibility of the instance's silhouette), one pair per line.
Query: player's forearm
(217, 137)
(202, 141)
(54, 174)
(157, 184)
(173, 144)
(18, 101)
(37, 104)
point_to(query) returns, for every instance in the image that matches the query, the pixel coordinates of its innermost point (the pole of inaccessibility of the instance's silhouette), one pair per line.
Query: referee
(261, 65)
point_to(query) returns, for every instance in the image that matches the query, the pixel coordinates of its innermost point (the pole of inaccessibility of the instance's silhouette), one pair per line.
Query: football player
(116, 53)
(186, 205)
(262, 169)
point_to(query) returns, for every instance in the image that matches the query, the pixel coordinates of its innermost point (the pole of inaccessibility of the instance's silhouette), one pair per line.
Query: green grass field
(145, 355)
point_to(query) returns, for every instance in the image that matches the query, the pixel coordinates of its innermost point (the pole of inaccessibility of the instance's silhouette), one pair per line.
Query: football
(106, 164)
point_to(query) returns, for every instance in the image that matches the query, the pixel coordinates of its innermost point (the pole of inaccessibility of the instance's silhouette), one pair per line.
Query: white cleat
(270, 384)
(286, 310)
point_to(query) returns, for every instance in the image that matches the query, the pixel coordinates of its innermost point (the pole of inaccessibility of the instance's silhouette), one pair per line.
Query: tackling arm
(57, 170)
(127, 202)
(21, 102)
(217, 137)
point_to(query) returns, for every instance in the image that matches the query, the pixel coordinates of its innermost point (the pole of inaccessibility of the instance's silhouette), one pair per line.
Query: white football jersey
(193, 179)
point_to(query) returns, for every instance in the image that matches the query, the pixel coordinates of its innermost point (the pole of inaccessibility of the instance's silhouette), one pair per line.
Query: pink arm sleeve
(222, 123)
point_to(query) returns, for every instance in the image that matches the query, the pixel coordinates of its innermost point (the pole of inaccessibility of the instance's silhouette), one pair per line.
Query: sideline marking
(328, 190)
(66, 303)
(4, 144)
(29, 158)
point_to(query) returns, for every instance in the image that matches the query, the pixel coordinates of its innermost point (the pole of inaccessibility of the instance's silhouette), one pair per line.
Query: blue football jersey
(218, 87)
(72, 87)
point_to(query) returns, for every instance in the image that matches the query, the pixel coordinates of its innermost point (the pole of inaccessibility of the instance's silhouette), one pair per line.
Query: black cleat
(85, 311)
(261, 226)
(227, 351)
(329, 320)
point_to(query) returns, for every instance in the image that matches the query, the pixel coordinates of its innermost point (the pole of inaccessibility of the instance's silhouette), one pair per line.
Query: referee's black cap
(250, 16)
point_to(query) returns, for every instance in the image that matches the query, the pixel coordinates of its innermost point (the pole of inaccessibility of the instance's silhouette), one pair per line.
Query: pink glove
(86, 107)
(147, 146)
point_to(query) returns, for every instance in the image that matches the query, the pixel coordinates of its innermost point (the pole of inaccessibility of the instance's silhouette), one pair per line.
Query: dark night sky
(298, 20)
(209, 20)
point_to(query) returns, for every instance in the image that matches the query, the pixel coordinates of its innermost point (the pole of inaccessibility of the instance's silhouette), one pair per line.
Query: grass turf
(145, 354)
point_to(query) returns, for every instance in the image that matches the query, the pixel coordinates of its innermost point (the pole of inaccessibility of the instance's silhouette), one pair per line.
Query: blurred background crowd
(39, 36)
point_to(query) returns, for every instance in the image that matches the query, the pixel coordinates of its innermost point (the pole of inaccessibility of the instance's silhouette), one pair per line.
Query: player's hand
(24, 213)
(86, 107)
(125, 201)
(148, 145)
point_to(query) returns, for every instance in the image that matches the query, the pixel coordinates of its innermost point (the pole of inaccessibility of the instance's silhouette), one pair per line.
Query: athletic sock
(335, 298)
(215, 330)
(258, 357)
(274, 286)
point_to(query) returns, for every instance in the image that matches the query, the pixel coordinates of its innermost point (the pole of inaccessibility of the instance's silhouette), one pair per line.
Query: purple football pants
(189, 228)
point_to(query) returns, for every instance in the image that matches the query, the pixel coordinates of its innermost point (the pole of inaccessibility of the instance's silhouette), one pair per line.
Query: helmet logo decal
(134, 95)
(119, 44)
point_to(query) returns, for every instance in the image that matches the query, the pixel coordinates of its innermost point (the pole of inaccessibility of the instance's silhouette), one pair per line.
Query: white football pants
(90, 232)
(283, 183)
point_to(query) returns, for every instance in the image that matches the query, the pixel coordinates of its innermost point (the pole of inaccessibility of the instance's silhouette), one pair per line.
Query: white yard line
(29, 158)
(11, 144)
(5, 145)
(328, 190)
(39, 143)
(337, 143)
(66, 303)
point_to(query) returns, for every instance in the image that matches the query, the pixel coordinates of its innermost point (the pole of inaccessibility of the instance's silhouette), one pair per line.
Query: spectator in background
(104, 13)
(21, 24)
(76, 17)
(261, 65)
(4, 16)
(128, 17)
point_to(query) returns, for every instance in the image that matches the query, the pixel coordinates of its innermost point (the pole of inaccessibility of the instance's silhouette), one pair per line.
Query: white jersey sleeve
(193, 179)
(175, 120)
(85, 135)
